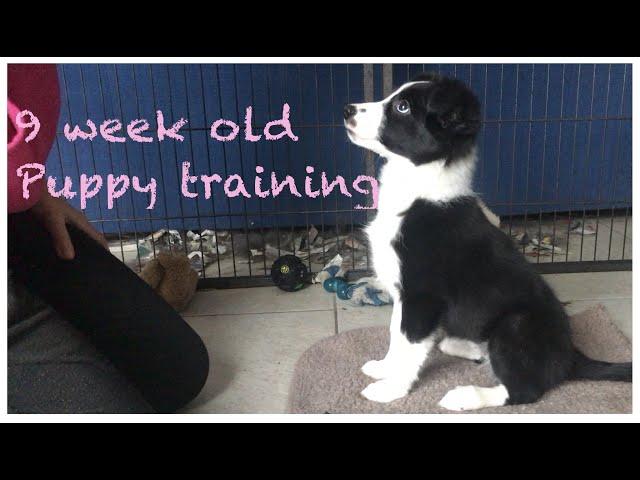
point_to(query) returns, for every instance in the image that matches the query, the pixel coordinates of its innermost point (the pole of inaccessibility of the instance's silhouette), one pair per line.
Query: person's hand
(55, 214)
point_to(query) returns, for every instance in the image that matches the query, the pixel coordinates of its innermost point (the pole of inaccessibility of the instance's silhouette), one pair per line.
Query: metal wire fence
(555, 161)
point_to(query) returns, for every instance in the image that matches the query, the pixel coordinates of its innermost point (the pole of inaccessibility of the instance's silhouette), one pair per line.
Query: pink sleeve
(34, 88)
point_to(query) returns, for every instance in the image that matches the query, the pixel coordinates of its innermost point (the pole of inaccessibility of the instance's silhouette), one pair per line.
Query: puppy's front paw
(375, 369)
(384, 391)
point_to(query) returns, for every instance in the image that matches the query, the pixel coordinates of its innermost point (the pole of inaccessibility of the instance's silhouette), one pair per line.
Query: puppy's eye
(402, 106)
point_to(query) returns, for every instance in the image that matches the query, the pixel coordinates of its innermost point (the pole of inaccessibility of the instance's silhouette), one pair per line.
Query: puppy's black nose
(349, 111)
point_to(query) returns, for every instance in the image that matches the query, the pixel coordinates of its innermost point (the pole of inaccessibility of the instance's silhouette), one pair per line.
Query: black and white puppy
(447, 267)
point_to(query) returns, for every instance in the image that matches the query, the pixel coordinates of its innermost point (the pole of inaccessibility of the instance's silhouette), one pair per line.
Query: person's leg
(53, 368)
(122, 316)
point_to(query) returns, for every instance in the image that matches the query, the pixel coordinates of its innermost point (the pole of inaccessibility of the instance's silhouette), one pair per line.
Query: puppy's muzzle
(349, 111)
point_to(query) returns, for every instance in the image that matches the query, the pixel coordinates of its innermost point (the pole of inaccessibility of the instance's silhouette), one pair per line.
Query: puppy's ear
(455, 108)
(461, 120)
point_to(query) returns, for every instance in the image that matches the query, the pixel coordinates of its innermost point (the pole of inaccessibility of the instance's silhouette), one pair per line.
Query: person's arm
(35, 88)
(55, 214)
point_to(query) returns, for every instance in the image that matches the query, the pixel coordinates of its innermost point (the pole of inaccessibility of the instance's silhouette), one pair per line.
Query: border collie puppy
(447, 267)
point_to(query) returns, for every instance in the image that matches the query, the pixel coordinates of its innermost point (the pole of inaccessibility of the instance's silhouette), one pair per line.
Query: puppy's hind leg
(526, 365)
(458, 347)
(471, 397)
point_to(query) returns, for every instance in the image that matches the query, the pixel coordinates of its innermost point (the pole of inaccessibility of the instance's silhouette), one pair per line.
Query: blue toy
(367, 291)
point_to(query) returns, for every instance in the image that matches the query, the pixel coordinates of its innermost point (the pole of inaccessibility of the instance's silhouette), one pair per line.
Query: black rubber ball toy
(289, 273)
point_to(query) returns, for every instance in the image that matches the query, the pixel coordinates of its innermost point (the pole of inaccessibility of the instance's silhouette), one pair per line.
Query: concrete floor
(255, 336)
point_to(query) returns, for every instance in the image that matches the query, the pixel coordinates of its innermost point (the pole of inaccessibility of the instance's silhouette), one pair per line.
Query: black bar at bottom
(584, 267)
(545, 268)
(234, 282)
(353, 275)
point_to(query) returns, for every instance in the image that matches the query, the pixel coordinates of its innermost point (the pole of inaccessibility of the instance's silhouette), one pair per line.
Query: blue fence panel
(554, 138)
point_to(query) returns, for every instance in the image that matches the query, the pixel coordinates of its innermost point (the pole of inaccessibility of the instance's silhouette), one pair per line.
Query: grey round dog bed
(327, 378)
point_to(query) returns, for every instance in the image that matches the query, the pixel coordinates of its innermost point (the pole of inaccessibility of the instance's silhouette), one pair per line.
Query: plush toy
(172, 277)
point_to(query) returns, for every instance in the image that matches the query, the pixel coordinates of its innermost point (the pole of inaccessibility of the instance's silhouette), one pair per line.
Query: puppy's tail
(585, 368)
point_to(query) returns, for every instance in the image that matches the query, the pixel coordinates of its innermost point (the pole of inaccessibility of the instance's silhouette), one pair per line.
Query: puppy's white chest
(382, 232)
(402, 183)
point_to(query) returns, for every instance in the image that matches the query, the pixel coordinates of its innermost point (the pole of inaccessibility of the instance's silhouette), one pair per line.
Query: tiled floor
(255, 336)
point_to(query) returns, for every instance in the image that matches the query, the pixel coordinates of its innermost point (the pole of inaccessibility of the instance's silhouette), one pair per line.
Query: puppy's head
(430, 118)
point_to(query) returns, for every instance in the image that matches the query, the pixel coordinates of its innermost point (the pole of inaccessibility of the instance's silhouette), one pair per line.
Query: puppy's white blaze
(369, 118)
(400, 89)
(471, 397)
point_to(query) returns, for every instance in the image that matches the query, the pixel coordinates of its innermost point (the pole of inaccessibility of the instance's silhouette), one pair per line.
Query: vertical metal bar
(306, 202)
(544, 153)
(350, 160)
(526, 195)
(77, 162)
(175, 152)
(213, 203)
(93, 159)
(126, 158)
(368, 85)
(624, 237)
(484, 124)
(264, 245)
(557, 195)
(333, 151)
(276, 200)
(273, 165)
(513, 151)
(615, 165)
(369, 159)
(604, 138)
(497, 188)
(387, 79)
(289, 167)
(584, 211)
(317, 128)
(226, 173)
(241, 157)
(155, 108)
(193, 160)
(104, 109)
(144, 160)
(573, 159)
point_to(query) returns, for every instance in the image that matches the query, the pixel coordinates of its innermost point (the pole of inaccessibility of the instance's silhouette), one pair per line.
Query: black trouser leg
(123, 317)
